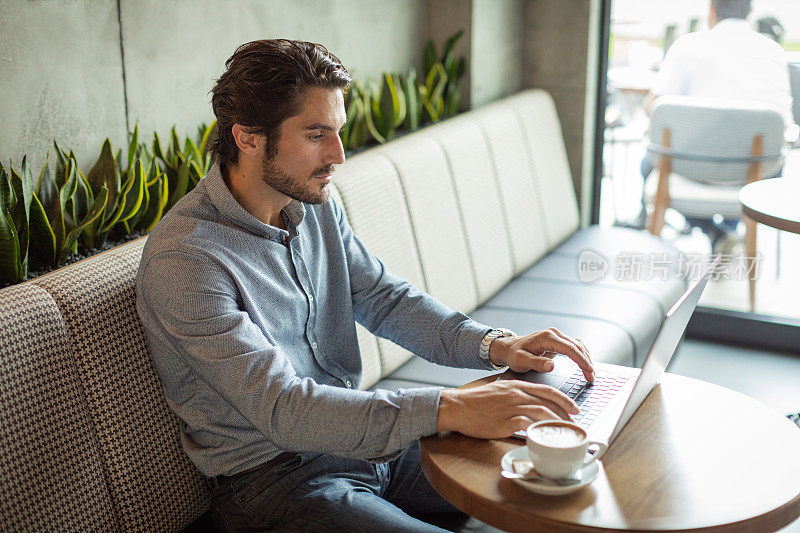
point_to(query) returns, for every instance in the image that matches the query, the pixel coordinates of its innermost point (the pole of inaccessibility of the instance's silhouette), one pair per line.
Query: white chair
(704, 152)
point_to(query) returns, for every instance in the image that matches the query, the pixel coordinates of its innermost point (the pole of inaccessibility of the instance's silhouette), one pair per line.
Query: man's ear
(247, 142)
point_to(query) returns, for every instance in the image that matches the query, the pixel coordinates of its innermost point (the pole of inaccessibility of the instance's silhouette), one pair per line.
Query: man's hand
(501, 408)
(535, 351)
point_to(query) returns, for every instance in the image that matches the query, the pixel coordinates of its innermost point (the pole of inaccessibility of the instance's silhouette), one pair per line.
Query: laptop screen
(664, 345)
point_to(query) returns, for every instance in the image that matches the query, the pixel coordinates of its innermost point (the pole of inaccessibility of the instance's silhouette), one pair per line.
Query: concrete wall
(497, 57)
(175, 50)
(62, 61)
(60, 78)
(556, 59)
(61, 65)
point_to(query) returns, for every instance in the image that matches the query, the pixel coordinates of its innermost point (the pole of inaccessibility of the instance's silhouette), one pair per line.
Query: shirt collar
(226, 204)
(731, 23)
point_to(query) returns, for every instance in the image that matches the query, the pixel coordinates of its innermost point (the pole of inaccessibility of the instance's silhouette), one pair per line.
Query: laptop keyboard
(592, 398)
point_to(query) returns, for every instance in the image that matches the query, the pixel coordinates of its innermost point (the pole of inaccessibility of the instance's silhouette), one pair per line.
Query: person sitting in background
(729, 61)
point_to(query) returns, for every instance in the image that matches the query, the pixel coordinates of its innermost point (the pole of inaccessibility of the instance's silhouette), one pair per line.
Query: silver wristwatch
(486, 343)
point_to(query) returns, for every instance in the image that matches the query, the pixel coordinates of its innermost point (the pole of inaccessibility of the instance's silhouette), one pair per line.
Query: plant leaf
(105, 173)
(42, 238)
(8, 199)
(94, 214)
(134, 195)
(428, 56)
(9, 243)
(22, 185)
(133, 147)
(181, 184)
(206, 135)
(62, 160)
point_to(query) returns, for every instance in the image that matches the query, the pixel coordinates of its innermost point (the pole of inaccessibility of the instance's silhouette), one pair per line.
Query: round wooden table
(694, 456)
(774, 202)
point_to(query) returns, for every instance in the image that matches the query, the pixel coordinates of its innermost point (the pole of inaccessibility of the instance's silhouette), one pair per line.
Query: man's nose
(335, 153)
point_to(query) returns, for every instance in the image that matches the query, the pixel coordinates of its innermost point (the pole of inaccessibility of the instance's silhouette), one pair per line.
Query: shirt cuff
(468, 345)
(420, 408)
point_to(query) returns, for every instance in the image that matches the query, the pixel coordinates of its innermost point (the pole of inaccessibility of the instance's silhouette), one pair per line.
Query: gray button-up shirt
(252, 330)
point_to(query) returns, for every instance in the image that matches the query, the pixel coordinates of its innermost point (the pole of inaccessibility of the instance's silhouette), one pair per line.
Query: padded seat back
(52, 476)
(153, 484)
(523, 212)
(478, 200)
(550, 168)
(435, 218)
(373, 199)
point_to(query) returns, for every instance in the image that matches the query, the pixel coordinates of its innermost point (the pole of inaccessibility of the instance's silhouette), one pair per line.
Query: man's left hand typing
(536, 351)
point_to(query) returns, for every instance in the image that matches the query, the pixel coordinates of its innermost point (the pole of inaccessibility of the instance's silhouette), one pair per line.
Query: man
(249, 290)
(730, 61)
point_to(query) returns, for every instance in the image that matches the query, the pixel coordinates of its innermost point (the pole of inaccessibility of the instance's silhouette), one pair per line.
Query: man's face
(308, 148)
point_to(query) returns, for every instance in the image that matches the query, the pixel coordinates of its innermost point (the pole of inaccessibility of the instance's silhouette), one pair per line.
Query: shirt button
(314, 345)
(310, 298)
(349, 384)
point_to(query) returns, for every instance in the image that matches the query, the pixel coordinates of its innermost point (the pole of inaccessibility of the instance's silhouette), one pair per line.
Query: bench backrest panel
(153, 484)
(522, 204)
(548, 155)
(52, 476)
(377, 211)
(478, 199)
(436, 219)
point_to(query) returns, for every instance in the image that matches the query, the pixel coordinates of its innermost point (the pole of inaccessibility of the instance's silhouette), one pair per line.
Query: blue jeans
(315, 492)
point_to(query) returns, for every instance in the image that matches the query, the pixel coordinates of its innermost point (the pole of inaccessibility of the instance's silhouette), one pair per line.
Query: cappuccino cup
(559, 448)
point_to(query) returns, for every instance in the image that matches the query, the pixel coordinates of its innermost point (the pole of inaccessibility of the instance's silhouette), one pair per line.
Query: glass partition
(702, 218)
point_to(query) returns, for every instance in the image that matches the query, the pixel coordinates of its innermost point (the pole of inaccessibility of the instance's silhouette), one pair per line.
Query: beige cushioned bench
(479, 211)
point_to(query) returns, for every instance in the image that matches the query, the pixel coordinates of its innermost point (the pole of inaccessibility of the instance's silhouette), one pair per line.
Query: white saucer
(590, 473)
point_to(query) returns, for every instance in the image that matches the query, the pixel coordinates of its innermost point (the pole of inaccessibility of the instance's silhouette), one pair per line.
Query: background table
(695, 455)
(774, 202)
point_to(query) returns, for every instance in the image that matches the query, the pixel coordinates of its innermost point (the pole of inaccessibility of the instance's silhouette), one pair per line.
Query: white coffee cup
(559, 448)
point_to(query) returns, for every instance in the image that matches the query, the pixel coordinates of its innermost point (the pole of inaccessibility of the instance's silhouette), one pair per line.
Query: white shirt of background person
(729, 61)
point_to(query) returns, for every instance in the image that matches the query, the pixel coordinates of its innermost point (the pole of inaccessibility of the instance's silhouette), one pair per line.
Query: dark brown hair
(263, 85)
(726, 9)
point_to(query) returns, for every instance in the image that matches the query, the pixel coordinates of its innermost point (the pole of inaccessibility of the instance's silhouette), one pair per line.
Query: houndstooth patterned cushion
(153, 484)
(52, 475)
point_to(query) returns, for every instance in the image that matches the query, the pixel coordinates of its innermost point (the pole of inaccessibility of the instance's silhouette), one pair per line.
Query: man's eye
(315, 137)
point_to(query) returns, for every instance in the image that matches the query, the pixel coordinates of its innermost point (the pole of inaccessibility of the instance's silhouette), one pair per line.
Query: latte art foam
(556, 435)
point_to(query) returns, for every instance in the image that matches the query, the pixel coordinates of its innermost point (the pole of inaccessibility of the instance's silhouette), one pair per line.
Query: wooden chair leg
(661, 201)
(751, 228)
(750, 247)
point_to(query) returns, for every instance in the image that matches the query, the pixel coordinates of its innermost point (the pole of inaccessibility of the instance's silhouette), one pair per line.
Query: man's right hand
(499, 409)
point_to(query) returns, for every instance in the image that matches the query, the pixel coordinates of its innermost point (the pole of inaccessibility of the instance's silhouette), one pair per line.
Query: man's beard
(284, 183)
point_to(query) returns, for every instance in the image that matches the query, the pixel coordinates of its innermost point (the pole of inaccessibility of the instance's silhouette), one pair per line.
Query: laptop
(618, 391)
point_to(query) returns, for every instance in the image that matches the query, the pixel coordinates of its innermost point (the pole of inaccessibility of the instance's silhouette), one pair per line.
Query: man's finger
(552, 340)
(547, 392)
(538, 412)
(536, 362)
(584, 348)
(550, 406)
(588, 370)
